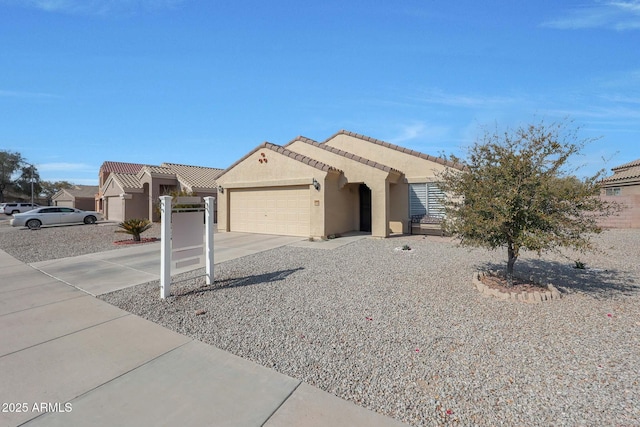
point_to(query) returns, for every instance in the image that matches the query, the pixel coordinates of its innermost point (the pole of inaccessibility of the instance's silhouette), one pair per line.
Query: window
(426, 199)
(613, 191)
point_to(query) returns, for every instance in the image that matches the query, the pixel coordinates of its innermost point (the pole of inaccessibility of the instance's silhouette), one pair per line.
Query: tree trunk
(136, 237)
(513, 256)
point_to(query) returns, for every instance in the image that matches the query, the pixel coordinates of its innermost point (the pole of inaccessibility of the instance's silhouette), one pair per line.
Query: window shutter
(417, 199)
(435, 200)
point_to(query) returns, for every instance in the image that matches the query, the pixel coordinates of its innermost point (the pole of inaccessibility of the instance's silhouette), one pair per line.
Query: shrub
(134, 227)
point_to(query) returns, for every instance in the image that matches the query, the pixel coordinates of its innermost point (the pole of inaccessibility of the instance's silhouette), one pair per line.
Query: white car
(14, 208)
(53, 215)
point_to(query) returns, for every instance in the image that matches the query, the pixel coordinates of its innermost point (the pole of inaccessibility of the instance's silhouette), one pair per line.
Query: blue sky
(203, 82)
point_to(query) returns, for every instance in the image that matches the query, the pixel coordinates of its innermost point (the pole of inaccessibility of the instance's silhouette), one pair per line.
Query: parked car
(14, 208)
(53, 215)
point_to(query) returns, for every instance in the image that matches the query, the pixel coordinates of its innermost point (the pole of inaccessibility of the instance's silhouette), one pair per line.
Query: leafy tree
(134, 227)
(28, 174)
(10, 163)
(515, 191)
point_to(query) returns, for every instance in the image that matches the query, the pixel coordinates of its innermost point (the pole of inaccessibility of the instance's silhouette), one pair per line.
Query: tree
(28, 182)
(10, 163)
(515, 191)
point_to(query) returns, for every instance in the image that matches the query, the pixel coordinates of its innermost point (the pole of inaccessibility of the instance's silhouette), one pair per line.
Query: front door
(365, 208)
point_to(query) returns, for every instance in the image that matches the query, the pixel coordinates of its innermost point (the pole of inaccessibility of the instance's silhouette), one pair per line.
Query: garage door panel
(114, 209)
(282, 211)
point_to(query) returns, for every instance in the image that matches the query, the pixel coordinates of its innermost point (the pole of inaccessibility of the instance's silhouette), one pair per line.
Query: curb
(551, 293)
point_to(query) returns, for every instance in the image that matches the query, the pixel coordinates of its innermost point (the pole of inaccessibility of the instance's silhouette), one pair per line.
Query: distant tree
(50, 188)
(515, 191)
(15, 173)
(28, 174)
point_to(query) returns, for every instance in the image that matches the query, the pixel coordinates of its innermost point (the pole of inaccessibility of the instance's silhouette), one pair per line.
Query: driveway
(104, 272)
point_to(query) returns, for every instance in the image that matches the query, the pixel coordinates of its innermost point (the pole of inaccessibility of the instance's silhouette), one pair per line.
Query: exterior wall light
(316, 184)
(220, 189)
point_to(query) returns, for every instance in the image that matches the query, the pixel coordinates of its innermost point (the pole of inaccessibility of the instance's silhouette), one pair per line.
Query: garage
(115, 211)
(282, 210)
(65, 203)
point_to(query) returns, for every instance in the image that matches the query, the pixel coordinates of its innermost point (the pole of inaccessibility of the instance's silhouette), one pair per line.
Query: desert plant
(134, 227)
(516, 191)
(579, 265)
(406, 248)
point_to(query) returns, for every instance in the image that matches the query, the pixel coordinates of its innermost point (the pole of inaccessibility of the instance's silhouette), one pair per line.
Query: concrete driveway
(104, 272)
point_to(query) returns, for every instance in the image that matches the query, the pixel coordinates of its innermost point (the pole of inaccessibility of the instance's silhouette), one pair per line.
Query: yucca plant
(135, 227)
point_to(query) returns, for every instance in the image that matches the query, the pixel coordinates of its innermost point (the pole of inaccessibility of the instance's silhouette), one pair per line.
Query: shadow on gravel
(598, 283)
(237, 282)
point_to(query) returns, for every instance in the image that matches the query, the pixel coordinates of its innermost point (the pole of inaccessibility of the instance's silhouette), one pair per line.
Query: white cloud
(21, 94)
(96, 7)
(455, 100)
(418, 131)
(618, 15)
(67, 167)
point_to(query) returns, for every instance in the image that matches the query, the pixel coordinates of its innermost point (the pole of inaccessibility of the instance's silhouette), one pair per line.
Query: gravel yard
(404, 333)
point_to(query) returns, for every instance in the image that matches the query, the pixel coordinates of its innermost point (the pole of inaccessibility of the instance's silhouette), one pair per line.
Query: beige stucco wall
(413, 167)
(356, 172)
(278, 171)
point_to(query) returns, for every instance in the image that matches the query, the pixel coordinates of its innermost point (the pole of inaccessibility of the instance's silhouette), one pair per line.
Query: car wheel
(14, 212)
(34, 224)
(90, 219)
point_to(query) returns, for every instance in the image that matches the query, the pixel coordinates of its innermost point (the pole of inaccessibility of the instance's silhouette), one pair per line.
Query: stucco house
(623, 187)
(132, 190)
(350, 182)
(78, 196)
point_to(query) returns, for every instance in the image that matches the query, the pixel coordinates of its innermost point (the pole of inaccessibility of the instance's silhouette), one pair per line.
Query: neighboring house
(350, 182)
(77, 196)
(623, 187)
(132, 190)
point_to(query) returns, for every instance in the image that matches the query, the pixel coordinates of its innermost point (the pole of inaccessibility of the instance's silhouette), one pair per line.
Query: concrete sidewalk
(69, 359)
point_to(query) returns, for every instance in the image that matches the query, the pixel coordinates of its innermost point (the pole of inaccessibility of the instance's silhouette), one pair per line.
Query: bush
(134, 227)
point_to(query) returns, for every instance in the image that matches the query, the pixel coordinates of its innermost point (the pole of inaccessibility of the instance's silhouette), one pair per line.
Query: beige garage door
(114, 208)
(283, 210)
(65, 203)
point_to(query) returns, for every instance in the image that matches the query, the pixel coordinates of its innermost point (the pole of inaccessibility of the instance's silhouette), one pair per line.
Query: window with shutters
(426, 199)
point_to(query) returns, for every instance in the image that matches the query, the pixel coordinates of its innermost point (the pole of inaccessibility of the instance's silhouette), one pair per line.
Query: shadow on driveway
(237, 282)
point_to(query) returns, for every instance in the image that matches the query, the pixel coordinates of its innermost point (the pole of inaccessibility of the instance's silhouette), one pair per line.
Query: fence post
(209, 204)
(165, 255)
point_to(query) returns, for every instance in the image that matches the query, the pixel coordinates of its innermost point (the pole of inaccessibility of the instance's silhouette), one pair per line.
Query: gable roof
(195, 176)
(287, 153)
(78, 191)
(397, 148)
(121, 167)
(126, 181)
(345, 154)
(627, 172)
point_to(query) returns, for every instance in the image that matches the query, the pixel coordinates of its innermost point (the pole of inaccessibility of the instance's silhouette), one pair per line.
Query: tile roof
(627, 165)
(121, 167)
(285, 152)
(345, 154)
(628, 174)
(155, 170)
(195, 176)
(82, 190)
(126, 180)
(398, 148)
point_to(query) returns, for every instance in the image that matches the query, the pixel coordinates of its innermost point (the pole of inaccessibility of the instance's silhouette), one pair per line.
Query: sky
(203, 82)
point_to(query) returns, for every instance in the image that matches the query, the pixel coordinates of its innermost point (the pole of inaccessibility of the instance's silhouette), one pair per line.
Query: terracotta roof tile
(127, 180)
(398, 148)
(121, 167)
(627, 165)
(195, 176)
